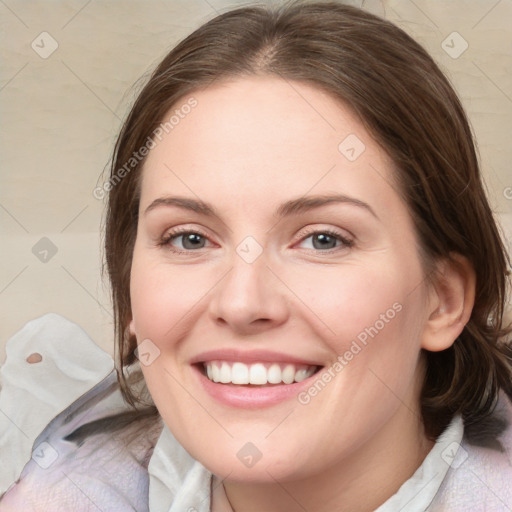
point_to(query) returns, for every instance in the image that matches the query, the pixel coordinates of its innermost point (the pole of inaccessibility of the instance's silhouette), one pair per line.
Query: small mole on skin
(34, 358)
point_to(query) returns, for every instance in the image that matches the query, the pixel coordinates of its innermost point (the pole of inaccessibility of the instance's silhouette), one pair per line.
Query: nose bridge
(249, 291)
(249, 278)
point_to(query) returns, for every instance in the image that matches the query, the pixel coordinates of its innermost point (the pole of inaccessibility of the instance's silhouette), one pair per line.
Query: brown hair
(408, 106)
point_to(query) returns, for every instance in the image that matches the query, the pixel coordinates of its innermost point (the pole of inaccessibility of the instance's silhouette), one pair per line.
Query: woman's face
(273, 248)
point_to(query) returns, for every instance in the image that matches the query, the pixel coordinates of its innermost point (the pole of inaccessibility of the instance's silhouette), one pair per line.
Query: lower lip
(245, 397)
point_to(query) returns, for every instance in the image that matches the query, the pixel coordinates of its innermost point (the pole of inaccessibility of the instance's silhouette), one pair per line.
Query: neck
(359, 483)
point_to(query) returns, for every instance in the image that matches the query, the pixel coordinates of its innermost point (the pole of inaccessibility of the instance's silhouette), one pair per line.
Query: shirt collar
(179, 483)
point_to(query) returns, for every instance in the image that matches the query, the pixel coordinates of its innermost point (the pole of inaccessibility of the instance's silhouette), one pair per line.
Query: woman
(304, 261)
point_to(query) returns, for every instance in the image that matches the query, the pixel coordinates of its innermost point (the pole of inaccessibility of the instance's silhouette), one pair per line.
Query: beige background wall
(60, 113)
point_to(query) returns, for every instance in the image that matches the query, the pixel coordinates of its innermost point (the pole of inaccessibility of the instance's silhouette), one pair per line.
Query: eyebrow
(294, 206)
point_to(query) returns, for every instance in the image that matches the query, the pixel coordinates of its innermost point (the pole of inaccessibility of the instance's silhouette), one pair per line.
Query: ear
(450, 303)
(131, 327)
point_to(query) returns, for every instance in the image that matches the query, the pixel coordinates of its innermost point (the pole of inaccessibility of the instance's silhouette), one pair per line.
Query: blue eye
(182, 240)
(326, 240)
(190, 240)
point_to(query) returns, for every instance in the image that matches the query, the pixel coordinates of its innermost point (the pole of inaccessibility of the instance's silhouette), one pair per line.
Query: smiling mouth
(256, 374)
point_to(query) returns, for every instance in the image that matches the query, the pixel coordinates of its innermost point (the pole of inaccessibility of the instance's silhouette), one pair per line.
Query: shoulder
(93, 455)
(50, 362)
(94, 446)
(479, 477)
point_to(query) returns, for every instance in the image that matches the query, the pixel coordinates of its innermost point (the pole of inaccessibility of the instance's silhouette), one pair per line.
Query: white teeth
(274, 374)
(225, 373)
(300, 375)
(215, 373)
(257, 373)
(288, 374)
(239, 373)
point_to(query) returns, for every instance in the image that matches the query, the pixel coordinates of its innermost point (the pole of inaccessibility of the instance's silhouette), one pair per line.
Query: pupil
(324, 240)
(192, 240)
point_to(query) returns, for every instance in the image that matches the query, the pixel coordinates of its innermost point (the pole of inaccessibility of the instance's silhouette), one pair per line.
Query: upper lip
(251, 356)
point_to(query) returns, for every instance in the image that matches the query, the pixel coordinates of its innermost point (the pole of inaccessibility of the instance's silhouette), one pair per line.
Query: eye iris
(192, 241)
(325, 241)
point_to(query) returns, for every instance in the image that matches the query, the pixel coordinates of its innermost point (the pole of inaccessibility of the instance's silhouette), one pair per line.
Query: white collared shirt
(201, 491)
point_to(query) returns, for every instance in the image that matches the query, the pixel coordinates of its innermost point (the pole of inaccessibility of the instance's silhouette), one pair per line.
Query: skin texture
(250, 145)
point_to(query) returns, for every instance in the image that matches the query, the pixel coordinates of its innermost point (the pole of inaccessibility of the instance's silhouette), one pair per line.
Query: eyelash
(176, 233)
(344, 241)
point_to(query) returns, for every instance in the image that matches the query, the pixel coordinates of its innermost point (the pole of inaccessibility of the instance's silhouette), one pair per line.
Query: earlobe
(131, 327)
(451, 301)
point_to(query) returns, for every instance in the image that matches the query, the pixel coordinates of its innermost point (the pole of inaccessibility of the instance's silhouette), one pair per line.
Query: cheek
(370, 318)
(357, 301)
(162, 297)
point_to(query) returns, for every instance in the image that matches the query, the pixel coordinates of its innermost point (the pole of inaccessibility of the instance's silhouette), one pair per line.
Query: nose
(250, 298)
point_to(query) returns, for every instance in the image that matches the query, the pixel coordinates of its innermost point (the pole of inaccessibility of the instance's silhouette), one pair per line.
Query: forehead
(265, 137)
